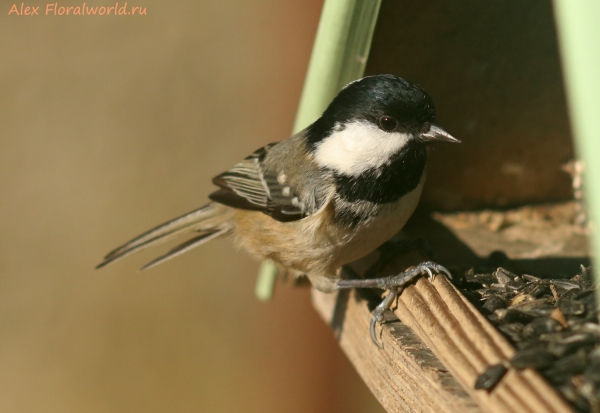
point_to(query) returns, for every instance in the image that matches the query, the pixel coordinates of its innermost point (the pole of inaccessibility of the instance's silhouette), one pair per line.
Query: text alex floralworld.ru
(53, 9)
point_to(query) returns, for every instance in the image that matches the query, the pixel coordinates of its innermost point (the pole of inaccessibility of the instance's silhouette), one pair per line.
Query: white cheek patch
(360, 146)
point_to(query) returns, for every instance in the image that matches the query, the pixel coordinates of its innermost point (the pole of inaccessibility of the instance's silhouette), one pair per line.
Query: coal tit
(326, 196)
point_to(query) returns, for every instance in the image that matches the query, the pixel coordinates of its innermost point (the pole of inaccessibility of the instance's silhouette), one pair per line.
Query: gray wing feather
(251, 185)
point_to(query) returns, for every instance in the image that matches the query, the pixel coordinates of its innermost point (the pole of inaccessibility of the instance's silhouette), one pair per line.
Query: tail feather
(210, 218)
(166, 228)
(185, 247)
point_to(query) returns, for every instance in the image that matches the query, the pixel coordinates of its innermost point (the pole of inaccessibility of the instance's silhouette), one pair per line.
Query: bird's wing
(249, 186)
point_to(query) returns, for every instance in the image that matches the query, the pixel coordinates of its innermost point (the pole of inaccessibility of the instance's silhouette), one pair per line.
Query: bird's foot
(394, 284)
(377, 317)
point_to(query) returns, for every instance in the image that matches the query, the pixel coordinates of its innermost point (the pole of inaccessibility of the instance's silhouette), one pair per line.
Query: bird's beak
(435, 133)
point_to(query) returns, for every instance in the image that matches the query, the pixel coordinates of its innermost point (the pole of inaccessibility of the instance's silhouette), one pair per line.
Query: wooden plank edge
(448, 325)
(404, 376)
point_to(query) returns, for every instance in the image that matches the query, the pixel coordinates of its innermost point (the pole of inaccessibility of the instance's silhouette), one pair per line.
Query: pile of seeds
(553, 323)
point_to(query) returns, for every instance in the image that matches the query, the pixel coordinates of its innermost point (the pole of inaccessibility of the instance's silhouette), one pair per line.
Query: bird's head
(370, 121)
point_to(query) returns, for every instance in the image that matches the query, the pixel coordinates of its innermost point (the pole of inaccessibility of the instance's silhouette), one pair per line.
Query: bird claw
(427, 266)
(377, 317)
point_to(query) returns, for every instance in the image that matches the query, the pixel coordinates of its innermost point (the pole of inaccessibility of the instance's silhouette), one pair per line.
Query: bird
(326, 196)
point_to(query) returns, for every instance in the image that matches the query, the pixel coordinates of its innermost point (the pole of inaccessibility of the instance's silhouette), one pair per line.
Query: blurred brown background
(110, 125)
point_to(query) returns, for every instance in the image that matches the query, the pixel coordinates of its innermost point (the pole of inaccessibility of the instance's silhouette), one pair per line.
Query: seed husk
(537, 358)
(495, 302)
(541, 325)
(491, 377)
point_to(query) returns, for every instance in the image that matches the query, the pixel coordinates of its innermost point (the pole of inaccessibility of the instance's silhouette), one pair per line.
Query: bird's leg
(395, 281)
(394, 284)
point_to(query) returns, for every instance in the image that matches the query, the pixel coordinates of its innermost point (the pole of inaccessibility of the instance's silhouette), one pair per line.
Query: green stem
(579, 40)
(339, 56)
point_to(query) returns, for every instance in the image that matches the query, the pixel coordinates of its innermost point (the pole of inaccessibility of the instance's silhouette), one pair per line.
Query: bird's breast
(367, 236)
(318, 244)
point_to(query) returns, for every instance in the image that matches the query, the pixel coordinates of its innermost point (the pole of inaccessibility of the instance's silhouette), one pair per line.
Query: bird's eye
(387, 123)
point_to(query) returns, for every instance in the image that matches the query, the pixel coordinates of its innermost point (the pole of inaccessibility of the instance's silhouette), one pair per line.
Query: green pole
(579, 40)
(339, 56)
